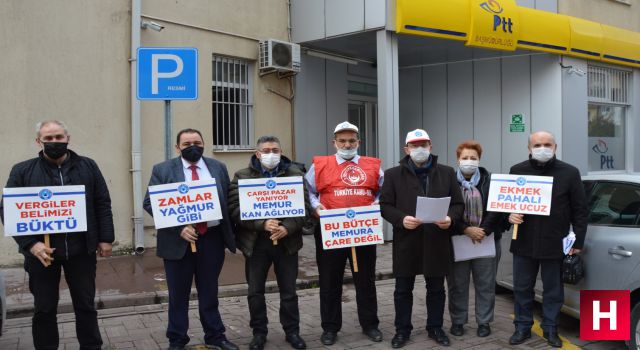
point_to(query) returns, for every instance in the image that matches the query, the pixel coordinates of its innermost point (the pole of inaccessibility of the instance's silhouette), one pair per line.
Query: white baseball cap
(345, 126)
(417, 135)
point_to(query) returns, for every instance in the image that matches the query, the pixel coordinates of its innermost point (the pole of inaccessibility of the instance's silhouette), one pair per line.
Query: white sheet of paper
(465, 249)
(430, 210)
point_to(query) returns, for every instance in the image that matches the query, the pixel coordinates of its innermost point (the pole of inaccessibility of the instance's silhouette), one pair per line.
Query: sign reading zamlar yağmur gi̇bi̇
(183, 203)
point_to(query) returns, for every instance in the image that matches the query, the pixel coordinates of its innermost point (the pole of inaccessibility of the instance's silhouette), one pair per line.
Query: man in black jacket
(539, 242)
(75, 252)
(270, 241)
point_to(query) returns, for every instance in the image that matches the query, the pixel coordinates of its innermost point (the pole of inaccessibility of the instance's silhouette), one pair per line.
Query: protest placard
(350, 227)
(268, 198)
(183, 203)
(44, 210)
(522, 194)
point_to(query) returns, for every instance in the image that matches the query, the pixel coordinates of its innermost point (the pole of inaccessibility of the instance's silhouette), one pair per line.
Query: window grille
(232, 103)
(609, 85)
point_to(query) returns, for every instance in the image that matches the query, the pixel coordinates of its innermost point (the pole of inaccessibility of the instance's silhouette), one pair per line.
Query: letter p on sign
(605, 314)
(155, 74)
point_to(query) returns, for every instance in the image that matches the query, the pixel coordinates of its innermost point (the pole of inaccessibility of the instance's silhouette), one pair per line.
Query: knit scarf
(472, 198)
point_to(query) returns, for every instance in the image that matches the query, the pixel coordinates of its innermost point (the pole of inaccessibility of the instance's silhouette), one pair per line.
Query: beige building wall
(619, 13)
(70, 61)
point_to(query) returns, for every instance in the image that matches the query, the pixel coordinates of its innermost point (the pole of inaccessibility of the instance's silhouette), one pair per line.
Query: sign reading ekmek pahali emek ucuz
(271, 198)
(524, 194)
(183, 203)
(44, 210)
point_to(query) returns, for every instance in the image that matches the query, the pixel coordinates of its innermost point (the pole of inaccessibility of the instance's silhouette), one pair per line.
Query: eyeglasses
(344, 141)
(270, 150)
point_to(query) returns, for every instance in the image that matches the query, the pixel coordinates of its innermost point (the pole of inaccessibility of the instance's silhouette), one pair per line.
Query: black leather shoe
(519, 337)
(227, 345)
(456, 329)
(176, 347)
(373, 334)
(296, 341)
(439, 336)
(552, 339)
(483, 330)
(328, 338)
(399, 340)
(258, 341)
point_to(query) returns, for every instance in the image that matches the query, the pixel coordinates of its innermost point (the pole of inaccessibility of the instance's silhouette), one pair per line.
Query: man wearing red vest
(339, 181)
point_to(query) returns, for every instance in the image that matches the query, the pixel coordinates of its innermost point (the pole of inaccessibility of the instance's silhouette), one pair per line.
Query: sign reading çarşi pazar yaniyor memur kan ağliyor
(183, 203)
(44, 210)
(350, 227)
(271, 198)
(523, 194)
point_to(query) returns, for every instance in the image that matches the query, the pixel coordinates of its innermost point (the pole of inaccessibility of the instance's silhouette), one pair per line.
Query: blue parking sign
(167, 73)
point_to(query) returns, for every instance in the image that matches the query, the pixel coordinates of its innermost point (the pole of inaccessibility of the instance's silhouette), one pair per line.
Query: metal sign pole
(167, 130)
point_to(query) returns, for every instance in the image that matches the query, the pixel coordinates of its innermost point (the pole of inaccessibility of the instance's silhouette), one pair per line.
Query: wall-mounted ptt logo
(491, 6)
(600, 147)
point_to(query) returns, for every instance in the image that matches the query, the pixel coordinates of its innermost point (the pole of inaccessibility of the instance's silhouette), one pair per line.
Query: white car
(611, 251)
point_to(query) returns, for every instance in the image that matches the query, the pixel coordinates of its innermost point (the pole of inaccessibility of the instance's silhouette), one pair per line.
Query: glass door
(364, 114)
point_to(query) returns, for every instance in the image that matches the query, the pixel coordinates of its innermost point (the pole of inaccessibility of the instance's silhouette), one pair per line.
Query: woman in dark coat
(419, 249)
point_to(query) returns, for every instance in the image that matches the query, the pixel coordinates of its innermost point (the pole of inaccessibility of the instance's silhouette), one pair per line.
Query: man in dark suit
(210, 239)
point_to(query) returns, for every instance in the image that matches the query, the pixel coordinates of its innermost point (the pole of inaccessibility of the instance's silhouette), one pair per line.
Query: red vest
(347, 184)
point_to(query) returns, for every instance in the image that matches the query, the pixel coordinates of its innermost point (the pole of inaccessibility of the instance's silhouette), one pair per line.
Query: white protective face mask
(347, 153)
(419, 155)
(468, 166)
(269, 160)
(542, 154)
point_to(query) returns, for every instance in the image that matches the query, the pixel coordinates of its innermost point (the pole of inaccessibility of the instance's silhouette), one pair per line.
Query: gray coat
(170, 245)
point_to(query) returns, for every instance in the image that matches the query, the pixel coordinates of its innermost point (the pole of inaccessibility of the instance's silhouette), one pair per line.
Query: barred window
(232, 103)
(609, 97)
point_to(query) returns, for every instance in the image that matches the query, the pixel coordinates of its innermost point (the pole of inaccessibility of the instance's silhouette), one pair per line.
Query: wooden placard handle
(354, 258)
(47, 243)
(514, 236)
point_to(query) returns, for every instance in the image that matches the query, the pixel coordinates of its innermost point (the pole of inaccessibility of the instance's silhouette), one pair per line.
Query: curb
(162, 297)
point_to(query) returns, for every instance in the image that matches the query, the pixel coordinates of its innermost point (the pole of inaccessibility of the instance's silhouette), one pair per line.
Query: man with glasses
(181, 264)
(340, 181)
(272, 241)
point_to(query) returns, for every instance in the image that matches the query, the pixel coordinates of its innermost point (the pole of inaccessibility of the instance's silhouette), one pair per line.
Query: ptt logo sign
(601, 148)
(493, 7)
(167, 73)
(604, 314)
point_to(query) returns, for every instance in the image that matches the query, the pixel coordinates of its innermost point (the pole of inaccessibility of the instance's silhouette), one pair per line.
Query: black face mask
(192, 153)
(55, 150)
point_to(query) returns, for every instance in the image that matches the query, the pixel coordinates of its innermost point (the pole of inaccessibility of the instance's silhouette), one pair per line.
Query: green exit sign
(517, 123)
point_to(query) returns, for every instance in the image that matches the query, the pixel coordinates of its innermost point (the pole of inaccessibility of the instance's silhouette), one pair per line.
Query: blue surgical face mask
(347, 154)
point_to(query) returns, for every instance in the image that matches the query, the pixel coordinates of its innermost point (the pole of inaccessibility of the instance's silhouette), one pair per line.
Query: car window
(615, 204)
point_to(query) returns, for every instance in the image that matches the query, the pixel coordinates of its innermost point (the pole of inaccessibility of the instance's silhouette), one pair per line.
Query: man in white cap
(420, 248)
(343, 180)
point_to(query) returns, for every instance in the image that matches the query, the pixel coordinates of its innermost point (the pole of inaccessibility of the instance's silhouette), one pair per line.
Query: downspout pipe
(136, 133)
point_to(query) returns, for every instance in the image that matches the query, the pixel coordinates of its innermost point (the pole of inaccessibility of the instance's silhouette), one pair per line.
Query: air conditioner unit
(280, 56)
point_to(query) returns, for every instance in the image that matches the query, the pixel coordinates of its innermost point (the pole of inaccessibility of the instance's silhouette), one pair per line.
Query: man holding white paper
(420, 248)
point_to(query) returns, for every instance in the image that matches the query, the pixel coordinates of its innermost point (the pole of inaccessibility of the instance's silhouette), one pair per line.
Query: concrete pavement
(143, 327)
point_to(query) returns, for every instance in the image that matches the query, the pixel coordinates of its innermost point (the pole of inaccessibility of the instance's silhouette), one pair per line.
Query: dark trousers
(331, 264)
(286, 269)
(205, 265)
(525, 271)
(403, 300)
(44, 284)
